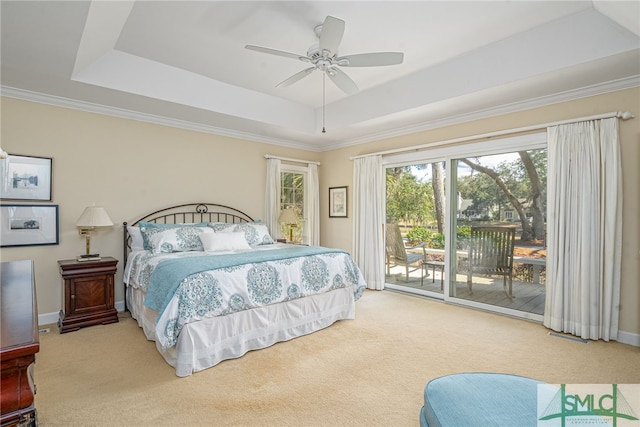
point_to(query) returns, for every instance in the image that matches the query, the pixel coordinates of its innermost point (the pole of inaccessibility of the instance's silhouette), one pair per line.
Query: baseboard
(48, 318)
(629, 338)
(51, 318)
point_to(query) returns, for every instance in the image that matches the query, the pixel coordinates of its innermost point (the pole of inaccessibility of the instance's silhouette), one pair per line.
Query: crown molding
(557, 98)
(58, 101)
(594, 90)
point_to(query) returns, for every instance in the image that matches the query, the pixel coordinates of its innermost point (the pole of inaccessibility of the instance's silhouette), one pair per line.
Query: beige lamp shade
(94, 216)
(288, 216)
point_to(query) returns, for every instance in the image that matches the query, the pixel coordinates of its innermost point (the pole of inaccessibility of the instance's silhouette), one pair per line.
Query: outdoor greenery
(518, 185)
(435, 240)
(408, 200)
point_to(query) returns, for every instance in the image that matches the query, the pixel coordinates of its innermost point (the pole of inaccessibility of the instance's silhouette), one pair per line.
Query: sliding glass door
(501, 230)
(467, 224)
(415, 225)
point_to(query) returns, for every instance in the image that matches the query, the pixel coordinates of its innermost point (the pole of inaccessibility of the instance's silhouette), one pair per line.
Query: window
(292, 183)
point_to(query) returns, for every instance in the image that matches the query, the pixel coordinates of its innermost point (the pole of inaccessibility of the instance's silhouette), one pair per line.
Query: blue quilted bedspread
(170, 273)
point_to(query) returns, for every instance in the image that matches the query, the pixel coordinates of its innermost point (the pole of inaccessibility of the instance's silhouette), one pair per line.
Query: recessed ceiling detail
(186, 63)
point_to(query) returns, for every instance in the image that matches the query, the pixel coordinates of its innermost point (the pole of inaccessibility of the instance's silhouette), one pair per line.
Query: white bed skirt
(207, 342)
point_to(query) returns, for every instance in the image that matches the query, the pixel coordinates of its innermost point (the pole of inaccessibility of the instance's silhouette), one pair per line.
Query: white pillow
(137, 243)
(182, 239)
(216, 242)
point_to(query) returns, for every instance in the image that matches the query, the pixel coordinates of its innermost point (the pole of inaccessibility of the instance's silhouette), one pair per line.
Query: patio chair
(491, 253)
(397, 254)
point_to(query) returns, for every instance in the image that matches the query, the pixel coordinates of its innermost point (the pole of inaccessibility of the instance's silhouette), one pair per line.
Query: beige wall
(132, 168)
(337, 170)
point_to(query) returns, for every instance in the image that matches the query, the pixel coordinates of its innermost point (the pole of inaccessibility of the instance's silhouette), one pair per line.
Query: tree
(526, 228)
(481, 190)
(536, 196)
(408, 200)
(520, 181)
(438, 193)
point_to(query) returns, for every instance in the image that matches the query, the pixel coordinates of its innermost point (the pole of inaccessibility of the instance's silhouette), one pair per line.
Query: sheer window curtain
(584, 229)
(368, 219)
(312, 206)
(272, 197)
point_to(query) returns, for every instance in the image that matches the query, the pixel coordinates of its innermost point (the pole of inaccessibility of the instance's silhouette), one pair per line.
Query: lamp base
(291, 227)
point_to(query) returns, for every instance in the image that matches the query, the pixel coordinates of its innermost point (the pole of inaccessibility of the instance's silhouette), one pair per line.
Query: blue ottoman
(480, 399)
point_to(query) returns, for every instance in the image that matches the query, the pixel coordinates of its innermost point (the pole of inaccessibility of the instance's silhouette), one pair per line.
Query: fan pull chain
(324, 79)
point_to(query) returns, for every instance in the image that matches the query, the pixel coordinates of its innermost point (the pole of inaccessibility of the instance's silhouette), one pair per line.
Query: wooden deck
(528, 297)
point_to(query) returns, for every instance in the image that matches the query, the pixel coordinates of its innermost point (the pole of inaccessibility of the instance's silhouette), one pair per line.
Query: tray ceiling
(184, 63)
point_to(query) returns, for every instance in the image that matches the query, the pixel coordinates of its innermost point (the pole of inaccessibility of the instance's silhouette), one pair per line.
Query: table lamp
(289, 217)
(92, 218)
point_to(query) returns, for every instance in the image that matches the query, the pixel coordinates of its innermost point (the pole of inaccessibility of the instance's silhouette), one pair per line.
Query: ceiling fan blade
(331, 34)
(277, 52)
(343, 81)
(371, 59)
(297, 76)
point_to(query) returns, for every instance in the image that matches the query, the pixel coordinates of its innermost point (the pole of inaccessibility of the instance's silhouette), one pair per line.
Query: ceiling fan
(324, 57)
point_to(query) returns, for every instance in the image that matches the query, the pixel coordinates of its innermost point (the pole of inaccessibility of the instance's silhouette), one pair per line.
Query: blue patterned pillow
(256, 233)
(148, 229)
(181, 239)
(222, 227)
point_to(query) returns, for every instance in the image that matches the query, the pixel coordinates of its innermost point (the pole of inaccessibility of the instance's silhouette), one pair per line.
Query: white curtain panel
(368, 219)
(312, 208)
(272, 198)
(584, 229)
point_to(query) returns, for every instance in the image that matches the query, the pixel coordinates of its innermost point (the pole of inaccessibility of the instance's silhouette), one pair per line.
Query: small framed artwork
(28, 225)
(25, 178)
(338, 202)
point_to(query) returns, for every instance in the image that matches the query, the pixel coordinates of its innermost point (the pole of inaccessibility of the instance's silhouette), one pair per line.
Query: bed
(208, 283)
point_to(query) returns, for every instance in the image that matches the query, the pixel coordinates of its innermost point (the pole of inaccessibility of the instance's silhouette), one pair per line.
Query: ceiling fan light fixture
(324, 56)
(323, 64)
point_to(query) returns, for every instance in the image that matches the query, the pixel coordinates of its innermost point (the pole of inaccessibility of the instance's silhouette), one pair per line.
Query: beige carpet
(366, 372)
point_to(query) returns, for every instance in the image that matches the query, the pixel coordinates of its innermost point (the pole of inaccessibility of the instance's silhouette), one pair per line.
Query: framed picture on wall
(25, 178)
(338, 202)
(28, 225)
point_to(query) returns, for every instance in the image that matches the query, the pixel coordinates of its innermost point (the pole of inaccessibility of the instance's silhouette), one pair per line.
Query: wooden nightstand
(88, 293)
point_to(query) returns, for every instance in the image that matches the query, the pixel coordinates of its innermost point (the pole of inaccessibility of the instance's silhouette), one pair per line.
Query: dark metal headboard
(190, 212)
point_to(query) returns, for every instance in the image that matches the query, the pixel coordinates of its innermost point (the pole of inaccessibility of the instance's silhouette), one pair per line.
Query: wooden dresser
(20, 343)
